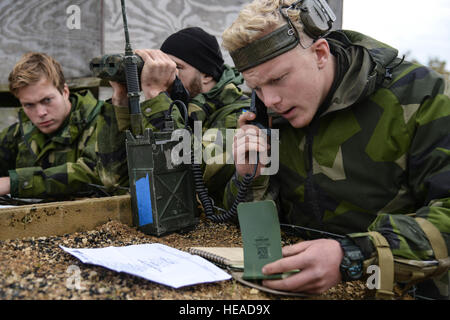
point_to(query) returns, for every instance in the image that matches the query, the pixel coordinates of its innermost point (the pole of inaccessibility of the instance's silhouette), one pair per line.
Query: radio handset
(260, 110)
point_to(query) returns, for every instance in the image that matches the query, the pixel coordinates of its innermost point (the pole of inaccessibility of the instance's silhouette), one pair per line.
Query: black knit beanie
(198, 48)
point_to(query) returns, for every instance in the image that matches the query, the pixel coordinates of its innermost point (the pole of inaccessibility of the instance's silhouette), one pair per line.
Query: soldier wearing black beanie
(198, 48)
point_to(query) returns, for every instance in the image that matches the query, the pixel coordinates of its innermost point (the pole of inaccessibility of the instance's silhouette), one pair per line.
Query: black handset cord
(207, 202)
(179, 104)
(202, 191)
(240, 197)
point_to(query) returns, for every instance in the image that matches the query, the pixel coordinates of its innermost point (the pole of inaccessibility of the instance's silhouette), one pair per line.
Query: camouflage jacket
(376, 156)
(65, 162)
(217, 109)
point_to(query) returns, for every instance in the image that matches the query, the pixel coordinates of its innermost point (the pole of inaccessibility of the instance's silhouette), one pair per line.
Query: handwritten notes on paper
(155, 262)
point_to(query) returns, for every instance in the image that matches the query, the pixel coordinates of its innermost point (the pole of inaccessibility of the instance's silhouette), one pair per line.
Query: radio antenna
(128, 50)
(132, 78)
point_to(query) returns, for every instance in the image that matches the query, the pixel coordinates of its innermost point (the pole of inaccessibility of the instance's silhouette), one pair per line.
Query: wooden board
(34, 25)
(58, 218)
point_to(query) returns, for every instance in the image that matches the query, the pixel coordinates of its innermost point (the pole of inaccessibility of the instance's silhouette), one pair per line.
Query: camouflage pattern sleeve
(153, 113)
(122, 117)
(429, 178)
(65, 179)
(112, 165)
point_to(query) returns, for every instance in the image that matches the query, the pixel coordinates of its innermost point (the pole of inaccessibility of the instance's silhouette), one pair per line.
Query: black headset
(315, 15)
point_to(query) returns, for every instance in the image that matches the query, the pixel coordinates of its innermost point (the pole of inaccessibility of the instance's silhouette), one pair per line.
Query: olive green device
(261, 236)
(162, 194)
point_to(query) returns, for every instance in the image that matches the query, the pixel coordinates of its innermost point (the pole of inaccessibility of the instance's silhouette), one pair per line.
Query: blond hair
(257, 19)
(31, 67)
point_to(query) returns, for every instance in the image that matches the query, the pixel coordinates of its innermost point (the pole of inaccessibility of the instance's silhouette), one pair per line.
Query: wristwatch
(352, 263)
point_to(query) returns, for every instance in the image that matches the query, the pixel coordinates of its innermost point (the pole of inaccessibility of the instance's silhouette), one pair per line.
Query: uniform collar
(225, 91)
(365, 61)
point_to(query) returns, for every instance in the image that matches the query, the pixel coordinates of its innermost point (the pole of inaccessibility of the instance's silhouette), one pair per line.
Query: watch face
(355, 270)
(352, 262)
(351, 270)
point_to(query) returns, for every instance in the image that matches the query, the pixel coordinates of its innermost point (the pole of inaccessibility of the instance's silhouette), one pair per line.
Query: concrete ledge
(58, 218)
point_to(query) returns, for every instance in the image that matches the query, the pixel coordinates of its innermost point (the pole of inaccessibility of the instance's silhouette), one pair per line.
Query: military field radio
(162, 193)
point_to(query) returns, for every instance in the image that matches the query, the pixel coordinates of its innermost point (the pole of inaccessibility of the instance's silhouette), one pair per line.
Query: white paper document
(155, 262)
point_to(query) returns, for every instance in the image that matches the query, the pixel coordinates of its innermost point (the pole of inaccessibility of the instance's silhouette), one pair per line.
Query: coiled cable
(208, 203)
(202, 191)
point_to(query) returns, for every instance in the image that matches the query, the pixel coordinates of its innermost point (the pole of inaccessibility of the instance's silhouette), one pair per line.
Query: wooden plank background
(35, 25)
(151, 22)
(41, 25)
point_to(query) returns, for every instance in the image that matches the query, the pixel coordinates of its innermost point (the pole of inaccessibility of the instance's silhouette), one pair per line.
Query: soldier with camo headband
(364, 149)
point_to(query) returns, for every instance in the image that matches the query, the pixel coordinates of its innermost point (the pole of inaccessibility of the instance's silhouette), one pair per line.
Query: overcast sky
(420, 27)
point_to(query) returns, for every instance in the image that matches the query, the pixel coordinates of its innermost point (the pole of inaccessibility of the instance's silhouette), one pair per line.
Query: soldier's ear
(322, 52)
(206, 79)
(66, 91)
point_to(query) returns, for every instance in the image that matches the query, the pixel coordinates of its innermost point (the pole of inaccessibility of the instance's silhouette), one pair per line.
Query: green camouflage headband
(270, 46)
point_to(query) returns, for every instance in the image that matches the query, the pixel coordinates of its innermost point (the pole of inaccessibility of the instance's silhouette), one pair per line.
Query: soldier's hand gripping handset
(251, 142)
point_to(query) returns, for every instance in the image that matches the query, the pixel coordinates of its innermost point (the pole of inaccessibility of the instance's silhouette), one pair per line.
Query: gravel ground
(37, 269)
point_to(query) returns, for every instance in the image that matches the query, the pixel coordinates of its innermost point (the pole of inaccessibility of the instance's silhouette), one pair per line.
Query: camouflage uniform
(65, 162)
(376, 155)
(217, 109)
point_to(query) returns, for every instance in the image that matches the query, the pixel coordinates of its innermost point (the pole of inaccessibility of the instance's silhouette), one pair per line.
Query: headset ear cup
(315, 21)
